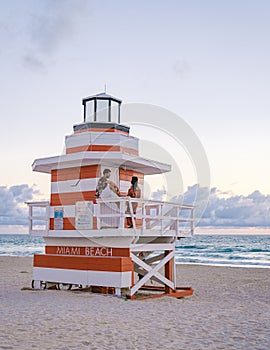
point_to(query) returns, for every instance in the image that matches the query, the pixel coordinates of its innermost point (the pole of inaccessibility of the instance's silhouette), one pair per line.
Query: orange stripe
(128, 178)
(110, 264)
(92, 251)
(90, 172)
(59, 199)
(130, 173)
(126, 175)
(51, 224)
(130, 151)
(85, 172)
(100, 130)
(68, 224)
(94, 222)
(101, 148)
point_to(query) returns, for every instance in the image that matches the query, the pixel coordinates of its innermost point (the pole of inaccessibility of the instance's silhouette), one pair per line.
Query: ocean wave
(229, 250)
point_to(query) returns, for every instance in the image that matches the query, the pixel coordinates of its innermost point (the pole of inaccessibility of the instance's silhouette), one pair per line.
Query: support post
(168, 271)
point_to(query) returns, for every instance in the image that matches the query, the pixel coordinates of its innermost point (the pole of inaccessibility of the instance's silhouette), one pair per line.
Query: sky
(205, 61)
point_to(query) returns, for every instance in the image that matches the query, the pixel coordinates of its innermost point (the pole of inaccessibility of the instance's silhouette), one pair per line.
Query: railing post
(30, 219)
(48, 218)
(143, 217)
(98, 215)
(192, 221)
(178, 211)
(161, 218)
(122, 214)
(132, 213)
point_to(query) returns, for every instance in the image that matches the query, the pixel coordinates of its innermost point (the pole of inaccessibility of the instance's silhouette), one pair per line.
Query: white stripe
(77, 185)
(101, 139)
(73, 236)
(70, 210)
(83, 242)
(89, 278)
(60, 275)
(125, 185)
(82, 185)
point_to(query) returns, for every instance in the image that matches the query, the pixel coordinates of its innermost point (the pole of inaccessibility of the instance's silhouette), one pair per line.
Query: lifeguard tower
(87, 242)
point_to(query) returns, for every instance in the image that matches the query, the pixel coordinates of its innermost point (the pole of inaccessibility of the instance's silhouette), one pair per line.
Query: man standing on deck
(104, 181)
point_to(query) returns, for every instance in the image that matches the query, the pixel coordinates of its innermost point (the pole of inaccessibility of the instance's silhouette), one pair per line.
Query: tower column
(168, 271)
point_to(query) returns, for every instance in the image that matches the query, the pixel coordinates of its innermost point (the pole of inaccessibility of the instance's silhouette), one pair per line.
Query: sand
(230, 309)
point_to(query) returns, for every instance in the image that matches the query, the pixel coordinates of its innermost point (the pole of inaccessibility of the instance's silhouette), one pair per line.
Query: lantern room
(101, 108)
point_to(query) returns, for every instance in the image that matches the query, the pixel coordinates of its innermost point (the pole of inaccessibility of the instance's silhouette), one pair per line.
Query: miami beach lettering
(88, 251)
(96, 251)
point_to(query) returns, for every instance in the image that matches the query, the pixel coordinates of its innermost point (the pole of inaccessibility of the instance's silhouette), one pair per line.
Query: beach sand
(230, 309)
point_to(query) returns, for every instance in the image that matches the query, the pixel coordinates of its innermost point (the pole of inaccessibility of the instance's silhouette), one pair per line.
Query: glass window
(89, 111)
(102, 110)
(114, 112)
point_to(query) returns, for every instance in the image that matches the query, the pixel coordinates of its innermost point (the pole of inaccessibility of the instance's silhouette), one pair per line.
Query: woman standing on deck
(133, 192)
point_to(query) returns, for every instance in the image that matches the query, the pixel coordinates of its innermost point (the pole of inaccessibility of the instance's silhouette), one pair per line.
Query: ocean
(215, 249)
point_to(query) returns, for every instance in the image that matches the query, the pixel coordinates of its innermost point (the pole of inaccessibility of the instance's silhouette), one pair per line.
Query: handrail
(147, 216)
(39, 223)
(153, 201)
(166, 216)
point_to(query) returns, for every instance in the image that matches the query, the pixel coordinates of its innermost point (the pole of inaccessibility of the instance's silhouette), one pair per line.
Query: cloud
(52, 25)
(33, 62)
(12, 212)
(158, 195)
(22, 193)
(236, 210)
(197, 196)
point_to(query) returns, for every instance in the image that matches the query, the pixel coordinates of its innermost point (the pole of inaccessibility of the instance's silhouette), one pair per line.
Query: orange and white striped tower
(87, 241)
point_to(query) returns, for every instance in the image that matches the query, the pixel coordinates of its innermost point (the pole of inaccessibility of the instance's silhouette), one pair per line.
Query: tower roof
(119, 159)
(101, 96)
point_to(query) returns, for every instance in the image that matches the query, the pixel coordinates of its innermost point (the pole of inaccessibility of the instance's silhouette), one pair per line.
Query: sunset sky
(205, 61)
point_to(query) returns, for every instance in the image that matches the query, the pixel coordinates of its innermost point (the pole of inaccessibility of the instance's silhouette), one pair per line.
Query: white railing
(39, 217)
(147, 217)
(163, 217)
